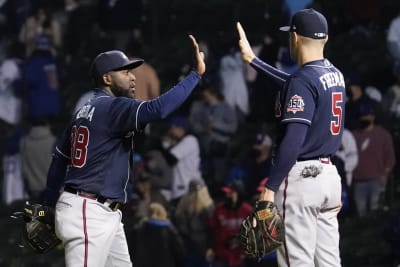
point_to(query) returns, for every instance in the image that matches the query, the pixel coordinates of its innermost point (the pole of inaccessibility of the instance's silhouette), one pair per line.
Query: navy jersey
(315, 95)
(98, 142)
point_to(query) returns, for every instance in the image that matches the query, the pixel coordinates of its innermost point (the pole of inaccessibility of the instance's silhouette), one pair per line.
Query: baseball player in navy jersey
(303, 182)
(91, 162)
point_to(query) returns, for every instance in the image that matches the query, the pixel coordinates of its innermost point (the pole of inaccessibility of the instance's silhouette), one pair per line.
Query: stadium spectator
(376, 159)
(191, 217)
(157, 242)
(225, 225)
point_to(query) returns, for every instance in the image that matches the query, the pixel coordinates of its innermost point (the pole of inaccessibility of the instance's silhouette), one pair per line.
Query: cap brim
(226, 189)
(133, 64)
(285, 28)
(260, 188)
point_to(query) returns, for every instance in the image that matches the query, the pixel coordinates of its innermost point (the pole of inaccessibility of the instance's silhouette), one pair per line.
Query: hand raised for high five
(199, 56)
(247, 53)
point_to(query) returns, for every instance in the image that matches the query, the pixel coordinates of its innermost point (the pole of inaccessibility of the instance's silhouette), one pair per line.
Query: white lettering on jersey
(86, 112)
(332, 79)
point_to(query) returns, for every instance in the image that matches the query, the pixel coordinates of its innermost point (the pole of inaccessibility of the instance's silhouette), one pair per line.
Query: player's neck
(108, 91)
(308, 54)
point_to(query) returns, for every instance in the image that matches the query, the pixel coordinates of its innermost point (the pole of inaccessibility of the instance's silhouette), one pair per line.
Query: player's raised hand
(199, 57)
(247, 53)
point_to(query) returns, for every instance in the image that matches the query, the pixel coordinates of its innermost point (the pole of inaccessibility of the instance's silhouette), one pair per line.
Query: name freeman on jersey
(332, 79)
(86, 112)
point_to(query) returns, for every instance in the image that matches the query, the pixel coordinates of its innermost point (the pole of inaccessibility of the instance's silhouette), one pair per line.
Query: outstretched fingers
(242, 34)
(194, 42)
(245, 48)
(199, 56)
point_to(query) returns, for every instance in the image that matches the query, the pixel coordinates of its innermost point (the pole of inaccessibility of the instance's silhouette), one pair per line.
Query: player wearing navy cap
(310, 108)
(91, 162)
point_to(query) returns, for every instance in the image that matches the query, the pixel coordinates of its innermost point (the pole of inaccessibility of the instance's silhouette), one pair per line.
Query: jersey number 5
(79, 143)
(337, 112)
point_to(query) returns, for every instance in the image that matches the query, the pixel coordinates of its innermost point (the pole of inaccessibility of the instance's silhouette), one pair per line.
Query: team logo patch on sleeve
(296, 104)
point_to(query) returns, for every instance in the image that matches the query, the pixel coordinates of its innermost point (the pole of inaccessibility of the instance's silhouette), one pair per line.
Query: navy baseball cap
(308, 23)
(179, 121)
(366, 109)
(112, 61)
(234, 186)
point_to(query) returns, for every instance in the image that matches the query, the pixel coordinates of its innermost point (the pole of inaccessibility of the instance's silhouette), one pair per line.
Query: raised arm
(166, 103)
(248, 55)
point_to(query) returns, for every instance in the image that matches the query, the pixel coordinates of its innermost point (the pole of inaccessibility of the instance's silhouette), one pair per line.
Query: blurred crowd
(198, 173)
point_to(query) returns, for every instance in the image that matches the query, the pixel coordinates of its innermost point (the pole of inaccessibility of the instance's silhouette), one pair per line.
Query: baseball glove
(38, 227)
(262, 232)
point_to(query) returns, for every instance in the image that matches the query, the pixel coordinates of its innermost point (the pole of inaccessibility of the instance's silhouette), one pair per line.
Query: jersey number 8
(79, 143)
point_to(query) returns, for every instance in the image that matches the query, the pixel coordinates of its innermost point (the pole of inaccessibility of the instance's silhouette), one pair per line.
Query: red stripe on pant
(283, 215)
(85, 232)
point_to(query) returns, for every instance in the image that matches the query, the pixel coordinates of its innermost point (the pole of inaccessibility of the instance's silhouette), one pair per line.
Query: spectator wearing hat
(225, 225)
(376, 159)
(191, 216)
(255, 163)
(181, 149)
(355, 88)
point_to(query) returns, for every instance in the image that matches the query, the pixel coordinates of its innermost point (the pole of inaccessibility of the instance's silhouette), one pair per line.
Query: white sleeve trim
(296, 119)
(259, 63)
(137, 115)
(62, 154)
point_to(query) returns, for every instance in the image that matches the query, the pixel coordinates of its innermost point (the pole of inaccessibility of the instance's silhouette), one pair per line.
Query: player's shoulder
(301, 78)
(311, 72)
(315, 67)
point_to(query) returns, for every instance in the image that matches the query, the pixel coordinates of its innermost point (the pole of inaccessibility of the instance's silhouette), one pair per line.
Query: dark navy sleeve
(287, 154)
(56, 173)
(299, 102)
(166, 103)
(127, 114)
(277, 75)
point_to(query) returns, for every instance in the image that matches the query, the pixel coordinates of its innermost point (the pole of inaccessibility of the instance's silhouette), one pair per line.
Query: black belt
(113, 205)
(322, 159)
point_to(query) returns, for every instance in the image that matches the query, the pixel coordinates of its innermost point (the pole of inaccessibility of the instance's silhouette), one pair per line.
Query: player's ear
(106, 79)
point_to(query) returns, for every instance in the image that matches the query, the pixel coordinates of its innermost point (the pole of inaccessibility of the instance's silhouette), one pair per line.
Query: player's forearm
(278, 76)
(287, 155)
(166, 103)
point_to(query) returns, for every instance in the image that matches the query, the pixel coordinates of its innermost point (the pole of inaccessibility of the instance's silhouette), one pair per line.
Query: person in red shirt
(225, 225)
